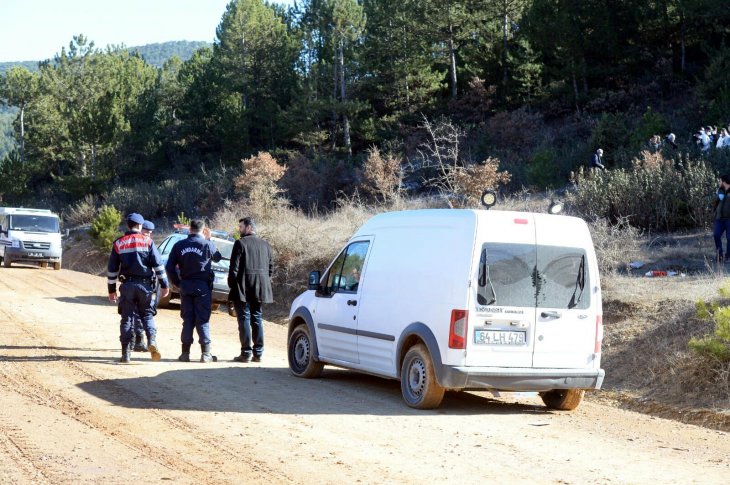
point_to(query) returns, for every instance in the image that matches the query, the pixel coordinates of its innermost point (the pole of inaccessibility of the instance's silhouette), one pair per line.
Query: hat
(135, 218)
(148, 225)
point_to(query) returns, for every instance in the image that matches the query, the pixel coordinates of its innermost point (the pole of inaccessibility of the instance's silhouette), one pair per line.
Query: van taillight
(457, 329)
(599, 334)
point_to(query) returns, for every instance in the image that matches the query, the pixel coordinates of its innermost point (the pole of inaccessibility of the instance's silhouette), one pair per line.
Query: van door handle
(352, 302)
(551, 313)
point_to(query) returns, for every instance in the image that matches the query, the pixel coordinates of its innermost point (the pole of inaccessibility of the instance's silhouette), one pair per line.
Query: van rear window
(19, 222)
(525, 275)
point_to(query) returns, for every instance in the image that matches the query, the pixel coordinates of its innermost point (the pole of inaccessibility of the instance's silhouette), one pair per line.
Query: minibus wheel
(300, 352)
(418, 379)
(563, 399)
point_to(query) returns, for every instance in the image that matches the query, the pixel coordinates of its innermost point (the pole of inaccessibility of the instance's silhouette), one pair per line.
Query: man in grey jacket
(249, 276)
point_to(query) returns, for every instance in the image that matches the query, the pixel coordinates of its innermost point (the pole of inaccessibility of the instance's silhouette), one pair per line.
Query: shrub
(655, 194)
(717, 345)
(381, 175)
(259, 181)
(471, 181)
(83, 212)
(105, 228)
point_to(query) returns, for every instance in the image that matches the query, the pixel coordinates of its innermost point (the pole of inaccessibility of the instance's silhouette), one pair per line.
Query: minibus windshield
(33, 223)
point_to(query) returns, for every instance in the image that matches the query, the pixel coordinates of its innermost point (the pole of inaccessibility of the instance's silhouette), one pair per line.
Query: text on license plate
(499, 337)
(35, 255)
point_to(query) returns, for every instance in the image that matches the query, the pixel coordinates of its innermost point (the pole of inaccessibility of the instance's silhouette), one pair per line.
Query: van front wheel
(6, 262)
(418, 380)
(57, 266)
(563, 399)
(301, 354)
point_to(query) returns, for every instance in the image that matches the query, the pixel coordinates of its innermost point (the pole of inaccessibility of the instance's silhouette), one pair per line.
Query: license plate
(499, 337)
(35, 255)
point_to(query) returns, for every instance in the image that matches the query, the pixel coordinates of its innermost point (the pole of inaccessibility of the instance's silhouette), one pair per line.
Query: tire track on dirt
(201, 442)
(26, 458)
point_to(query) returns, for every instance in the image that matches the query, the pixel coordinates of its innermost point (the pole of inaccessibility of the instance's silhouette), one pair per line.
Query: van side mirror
(65, 233)
(314, 278)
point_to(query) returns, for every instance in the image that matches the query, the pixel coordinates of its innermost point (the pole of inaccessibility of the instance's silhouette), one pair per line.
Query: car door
(503, 323)
(335, 314)
(565, 322)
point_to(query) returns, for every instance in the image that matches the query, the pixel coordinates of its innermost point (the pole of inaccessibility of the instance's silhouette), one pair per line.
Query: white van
(458, 300)
(30, 236)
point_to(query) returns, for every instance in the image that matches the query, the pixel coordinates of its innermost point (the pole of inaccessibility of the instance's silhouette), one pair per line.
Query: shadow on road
(249, 389)
(84, 300)
(45, 356)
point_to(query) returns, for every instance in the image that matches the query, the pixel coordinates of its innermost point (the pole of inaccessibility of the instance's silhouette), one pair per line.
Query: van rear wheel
(563, 399)
(418, 379)
(301, 354)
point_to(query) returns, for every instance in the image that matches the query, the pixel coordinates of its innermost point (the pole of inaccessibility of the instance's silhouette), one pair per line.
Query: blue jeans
(195, 299)
(135, 302)
(721, 226)
(250, 328)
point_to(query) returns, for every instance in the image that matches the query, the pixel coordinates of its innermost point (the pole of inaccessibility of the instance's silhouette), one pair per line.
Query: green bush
(717, 345)
(655, 193)
(105, 228)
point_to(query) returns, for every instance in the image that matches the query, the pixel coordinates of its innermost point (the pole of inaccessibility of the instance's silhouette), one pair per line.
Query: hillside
(155, 54)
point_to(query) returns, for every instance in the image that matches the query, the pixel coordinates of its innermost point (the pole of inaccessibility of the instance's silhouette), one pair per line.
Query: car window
(506, 275)
(344, 275)
(20, 222)
(563, 279)
(224, 247)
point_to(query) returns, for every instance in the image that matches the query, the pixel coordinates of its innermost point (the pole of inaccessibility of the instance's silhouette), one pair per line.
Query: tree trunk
(575, 88)
(22, 132)
(683, 46)
(343, 98)
(505, 73)
(335, 75)
(452, 66)
(93, 161)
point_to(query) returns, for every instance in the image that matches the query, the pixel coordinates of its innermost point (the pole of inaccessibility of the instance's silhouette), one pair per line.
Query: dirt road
(70, 414)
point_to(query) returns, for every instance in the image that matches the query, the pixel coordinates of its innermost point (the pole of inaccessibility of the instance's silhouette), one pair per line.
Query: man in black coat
(249, 276)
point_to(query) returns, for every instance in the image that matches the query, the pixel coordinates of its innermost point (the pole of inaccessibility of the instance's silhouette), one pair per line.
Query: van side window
(506, 275)
(563, 278)
(344, 275)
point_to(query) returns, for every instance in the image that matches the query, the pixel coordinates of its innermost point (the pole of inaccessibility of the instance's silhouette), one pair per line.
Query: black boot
(126, 354)
(185, 356)
(139, 344)
(152, 346)
(206, 356)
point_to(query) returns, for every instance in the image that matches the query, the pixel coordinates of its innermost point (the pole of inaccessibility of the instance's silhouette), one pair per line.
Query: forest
(532, 87)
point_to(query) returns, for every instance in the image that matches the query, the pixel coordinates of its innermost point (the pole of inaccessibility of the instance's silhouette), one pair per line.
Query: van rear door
(503, 317)
(566, 317)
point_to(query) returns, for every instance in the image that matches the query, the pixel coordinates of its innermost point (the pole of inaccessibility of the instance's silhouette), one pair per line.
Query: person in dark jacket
(597, 160)
(249, 276)
(722, 217)
(192, 257)
(136, 262)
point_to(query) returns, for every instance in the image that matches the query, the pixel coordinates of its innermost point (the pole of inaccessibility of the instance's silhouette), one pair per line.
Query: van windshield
(33, 223)
(525, 275)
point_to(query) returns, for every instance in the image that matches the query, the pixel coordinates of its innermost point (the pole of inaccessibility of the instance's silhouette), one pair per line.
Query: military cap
(148, 225)
(135, 218)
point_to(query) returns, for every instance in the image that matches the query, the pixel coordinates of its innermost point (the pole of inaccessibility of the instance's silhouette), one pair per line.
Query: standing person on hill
(136, 262)
(193, 256)
(249, 276)
(722, 217)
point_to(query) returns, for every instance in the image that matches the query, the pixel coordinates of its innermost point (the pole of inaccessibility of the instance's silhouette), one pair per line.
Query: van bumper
(32, 255)
(519, 379)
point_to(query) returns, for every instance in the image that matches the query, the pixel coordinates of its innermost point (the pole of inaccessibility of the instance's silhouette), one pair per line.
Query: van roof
(458, 217)
(26, 211)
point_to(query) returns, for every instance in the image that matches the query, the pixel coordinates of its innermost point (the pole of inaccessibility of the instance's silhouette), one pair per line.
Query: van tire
(563, 399)
(44, 264)
(300, 353)
(57, 266)
(214, 307)
(418, 380)
(6, 262)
